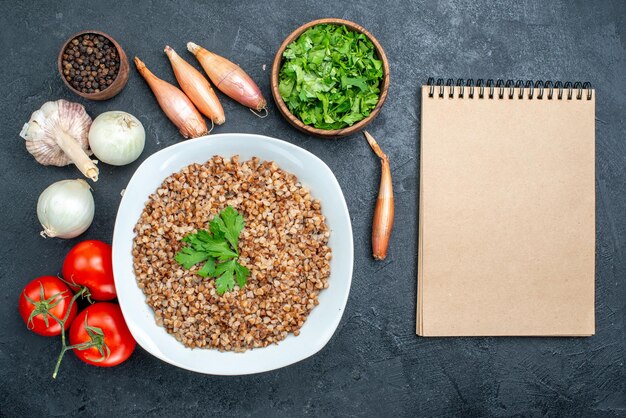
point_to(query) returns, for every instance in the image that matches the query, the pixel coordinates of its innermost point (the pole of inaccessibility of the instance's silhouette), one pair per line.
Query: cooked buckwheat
(283, 244)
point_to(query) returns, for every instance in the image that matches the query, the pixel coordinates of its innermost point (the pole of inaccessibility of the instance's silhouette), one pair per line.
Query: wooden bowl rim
(295, 121)
(120, 80)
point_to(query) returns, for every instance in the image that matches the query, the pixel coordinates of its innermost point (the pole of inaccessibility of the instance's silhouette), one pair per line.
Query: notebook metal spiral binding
(529, 89)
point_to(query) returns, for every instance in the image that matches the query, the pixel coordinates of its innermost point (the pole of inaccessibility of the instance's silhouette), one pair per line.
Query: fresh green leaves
(218, 248)
(230, 223)
(330, 77)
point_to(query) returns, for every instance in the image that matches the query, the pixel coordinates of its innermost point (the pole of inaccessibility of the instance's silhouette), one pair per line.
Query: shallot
(229, 78)
(178, 108)
(383, 213)
(196, 87)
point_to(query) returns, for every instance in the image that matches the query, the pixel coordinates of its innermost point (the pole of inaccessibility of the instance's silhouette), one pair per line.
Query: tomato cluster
(98, 335)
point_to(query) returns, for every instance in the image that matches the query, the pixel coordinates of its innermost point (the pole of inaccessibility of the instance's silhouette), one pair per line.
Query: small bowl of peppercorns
(93, 65)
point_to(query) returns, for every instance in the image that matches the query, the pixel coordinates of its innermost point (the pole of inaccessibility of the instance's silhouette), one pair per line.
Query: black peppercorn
(90, 63)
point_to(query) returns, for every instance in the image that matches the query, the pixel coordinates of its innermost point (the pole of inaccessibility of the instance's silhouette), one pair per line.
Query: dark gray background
(374, 364)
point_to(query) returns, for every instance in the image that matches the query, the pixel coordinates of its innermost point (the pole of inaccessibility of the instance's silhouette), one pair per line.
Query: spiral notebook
(507, 209)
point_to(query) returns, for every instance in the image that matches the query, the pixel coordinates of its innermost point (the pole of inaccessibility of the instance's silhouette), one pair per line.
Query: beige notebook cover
(506, 213)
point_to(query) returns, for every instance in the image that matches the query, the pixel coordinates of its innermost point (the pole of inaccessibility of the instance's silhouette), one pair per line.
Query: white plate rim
(348, 258)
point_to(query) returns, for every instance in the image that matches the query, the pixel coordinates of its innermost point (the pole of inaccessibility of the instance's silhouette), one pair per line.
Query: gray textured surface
(374, 364)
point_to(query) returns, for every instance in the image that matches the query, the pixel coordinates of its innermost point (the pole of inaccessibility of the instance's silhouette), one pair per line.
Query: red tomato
(89, 264)
(103, 324)
(48, 295)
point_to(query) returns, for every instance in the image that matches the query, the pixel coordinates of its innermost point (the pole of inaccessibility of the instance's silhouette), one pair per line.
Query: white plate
(324, 318)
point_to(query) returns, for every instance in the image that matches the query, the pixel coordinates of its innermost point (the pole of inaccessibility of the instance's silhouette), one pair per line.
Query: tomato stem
(56, 368)
(96, 336)
(83, 290)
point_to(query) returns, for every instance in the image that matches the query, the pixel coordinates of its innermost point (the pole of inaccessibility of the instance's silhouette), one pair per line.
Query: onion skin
(229, 78)
(177, 107)
(65, 209)
(383, 213)
(196, 87)
(117, 137)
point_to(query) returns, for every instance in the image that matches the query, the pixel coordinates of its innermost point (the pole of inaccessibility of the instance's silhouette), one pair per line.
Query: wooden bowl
(118, 83)
(327, 133)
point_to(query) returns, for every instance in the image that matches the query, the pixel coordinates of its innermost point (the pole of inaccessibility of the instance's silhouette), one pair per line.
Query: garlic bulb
(57, 133)
(65, 209)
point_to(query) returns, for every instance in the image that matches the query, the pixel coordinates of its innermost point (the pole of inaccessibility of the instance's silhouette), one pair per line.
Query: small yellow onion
(65, 209)
(117, 138)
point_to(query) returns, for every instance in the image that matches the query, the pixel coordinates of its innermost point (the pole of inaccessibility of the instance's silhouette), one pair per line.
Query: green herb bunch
(218, 249)
(330, 77)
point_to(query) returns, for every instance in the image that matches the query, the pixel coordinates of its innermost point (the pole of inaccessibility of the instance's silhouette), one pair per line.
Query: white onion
(117, 137)
(65, 209)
